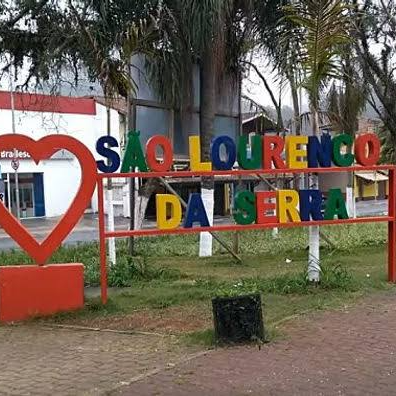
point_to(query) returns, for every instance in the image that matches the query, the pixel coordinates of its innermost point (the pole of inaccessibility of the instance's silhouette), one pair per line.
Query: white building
(48, 188)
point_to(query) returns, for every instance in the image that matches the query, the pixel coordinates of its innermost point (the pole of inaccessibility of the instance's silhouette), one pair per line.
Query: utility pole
(110, 207)
(16, 159)
(131, 126)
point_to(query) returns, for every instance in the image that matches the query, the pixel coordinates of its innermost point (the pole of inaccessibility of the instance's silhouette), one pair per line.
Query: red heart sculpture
(39, 150)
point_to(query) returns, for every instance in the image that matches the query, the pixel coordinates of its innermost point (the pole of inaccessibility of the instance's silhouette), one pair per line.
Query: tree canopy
(100, 37)
(50, 35)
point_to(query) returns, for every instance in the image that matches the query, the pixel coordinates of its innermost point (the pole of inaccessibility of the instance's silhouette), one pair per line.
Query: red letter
(273, 147)
(264, 206)
(370, 156)
(167, 153)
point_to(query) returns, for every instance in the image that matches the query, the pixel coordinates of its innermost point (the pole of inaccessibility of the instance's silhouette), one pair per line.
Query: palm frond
(388, 146)
(324, 27)
(186, 32)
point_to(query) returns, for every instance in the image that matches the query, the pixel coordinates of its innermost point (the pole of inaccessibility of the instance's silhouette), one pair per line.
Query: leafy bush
(336, 277)
(129, 269)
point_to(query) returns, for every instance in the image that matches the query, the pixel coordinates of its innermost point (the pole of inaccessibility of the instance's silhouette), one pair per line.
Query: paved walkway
(39, 360)
(349, 352)
(334, 353)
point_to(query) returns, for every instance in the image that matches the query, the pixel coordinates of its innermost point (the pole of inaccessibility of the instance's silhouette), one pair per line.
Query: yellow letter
(286, 205)
(163, 203)
(293, 153)
(195, 156)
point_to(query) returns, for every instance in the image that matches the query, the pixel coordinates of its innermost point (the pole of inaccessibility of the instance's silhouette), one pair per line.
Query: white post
(109, 202)
(15, 156)
(205, 238)
(314, 241)
(139, 210)
(110, 226)
(350, 202)
(375, 185)
(275, 231)
(314, 231)
(9, 192)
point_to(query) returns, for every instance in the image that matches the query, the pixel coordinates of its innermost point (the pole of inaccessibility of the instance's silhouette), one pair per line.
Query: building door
(382, 189)
(31, 194)
(26, 200)
(39, 206)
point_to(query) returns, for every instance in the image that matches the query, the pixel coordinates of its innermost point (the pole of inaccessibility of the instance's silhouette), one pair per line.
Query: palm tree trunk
(109, 198)
(298, 178)
(296, 106)
(314, 237)
(352, 126)
(207, 117)
(142, 200)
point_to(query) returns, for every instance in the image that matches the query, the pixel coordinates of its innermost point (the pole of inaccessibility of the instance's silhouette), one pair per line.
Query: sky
(254, 88)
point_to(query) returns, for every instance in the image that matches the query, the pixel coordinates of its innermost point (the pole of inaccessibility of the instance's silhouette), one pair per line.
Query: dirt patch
(171, 320)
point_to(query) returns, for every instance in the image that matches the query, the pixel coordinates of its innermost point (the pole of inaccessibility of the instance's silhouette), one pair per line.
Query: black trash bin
(238, 319)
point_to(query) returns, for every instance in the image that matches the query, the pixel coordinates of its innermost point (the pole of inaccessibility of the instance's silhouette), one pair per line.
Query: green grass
(361, 271)
(180, 253)
(285, 293)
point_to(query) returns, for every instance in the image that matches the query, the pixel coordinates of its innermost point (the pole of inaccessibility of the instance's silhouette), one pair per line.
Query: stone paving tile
(37, 360)
(334, 353)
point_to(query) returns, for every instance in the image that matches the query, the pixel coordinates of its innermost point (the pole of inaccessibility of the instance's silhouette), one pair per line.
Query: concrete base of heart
(28, 291)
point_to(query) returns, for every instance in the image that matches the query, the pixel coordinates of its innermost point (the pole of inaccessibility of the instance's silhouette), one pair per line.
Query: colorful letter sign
(253, 154)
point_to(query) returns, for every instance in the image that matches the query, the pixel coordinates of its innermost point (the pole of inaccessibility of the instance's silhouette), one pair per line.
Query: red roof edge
(47, 103)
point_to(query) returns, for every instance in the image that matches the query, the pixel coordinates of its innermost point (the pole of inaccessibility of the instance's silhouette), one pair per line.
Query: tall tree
(324, 27)
(279, 39)
(100, 37)
(346, 102)
(50, 36)
(375, 29)
(213, 35)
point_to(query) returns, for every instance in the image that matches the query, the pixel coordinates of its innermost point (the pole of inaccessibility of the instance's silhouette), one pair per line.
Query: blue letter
(195, 212)
(229, 145)
(112, 156)
(311, 205)
(319, 151)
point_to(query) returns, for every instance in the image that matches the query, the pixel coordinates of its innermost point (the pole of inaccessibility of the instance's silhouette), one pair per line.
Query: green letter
(335, 205)
(255, 161)
(245, 207)
(133, 156)
(342, 159)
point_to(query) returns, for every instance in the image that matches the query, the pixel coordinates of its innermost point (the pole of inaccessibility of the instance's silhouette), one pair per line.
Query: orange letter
(264, 206)
(167, 153)
(367, 149)
(272, 152)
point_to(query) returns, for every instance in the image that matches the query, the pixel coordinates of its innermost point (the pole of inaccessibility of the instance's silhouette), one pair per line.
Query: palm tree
(212, 34)
(279, 39)
(112, 33)
(324, 28)
(346, 102)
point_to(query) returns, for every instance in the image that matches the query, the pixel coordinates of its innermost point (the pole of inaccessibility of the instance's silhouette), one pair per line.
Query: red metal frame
(390, 219)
